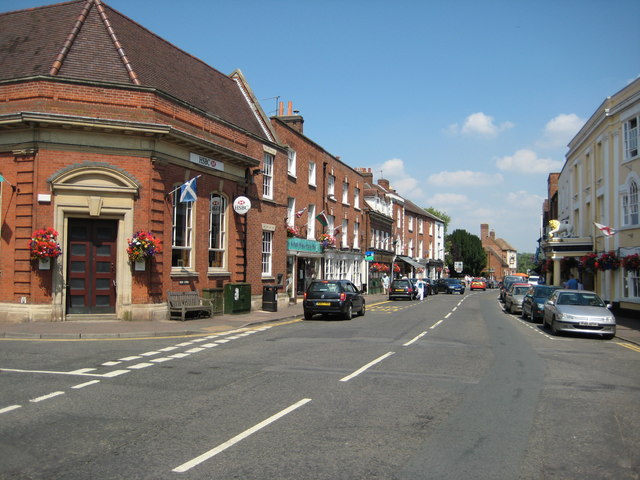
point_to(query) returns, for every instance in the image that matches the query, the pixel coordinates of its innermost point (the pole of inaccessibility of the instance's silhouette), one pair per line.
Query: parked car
(450, 285)
(429, 288)
(578, 311)
(514, 296)
(533, 302)
(534, 279)
(403, 288)
(506, 283)
(333, 297)
(478, 284)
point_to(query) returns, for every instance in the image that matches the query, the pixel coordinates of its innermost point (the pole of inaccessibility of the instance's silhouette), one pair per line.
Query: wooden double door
(91, 266)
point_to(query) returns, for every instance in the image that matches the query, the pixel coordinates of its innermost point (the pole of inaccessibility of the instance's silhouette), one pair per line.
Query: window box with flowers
(43, 246)
(631, 262)
(293, 231)
(608, 261)
(142, 246)
(327, 240)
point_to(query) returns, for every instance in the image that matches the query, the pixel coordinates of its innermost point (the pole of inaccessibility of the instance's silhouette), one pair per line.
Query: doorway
(91, 261)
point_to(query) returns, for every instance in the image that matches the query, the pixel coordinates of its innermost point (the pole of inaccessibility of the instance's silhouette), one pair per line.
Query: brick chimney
(292, 118)
(484, 231)
(384, 183)
(366, 173)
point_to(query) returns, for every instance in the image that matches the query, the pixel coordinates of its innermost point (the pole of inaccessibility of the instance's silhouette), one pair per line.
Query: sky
(465, 106)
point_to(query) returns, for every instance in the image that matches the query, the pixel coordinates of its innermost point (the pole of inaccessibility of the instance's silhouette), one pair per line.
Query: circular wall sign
(241, 205)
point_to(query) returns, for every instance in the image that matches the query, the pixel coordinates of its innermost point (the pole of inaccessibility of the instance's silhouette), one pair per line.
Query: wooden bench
(180, 303)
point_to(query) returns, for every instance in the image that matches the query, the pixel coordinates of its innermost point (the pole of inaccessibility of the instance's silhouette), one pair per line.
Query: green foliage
(464, 247)
(525, 262)
(441, 215)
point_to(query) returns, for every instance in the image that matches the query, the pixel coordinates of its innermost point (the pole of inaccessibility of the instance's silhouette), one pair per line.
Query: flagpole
(180, 186)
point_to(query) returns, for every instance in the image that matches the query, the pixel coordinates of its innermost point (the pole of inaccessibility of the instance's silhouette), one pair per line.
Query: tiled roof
(88, 40)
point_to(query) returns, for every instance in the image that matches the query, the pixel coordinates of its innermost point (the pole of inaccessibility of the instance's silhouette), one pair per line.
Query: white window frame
(631, 138)
(291, 211)
(184, 249)
(331, 186)
(345, 233)
(630, 205)
(312, 174)
(345, 193)
(311, 222)
(267, 253)
(291, 162)
(218, 240)
(410, 223)
(356, 198)
(267, 176)
(420, 226)
(356, 235)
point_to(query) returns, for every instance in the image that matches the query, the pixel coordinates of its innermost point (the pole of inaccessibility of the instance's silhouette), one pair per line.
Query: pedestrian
(385, 283)
(420, 285)
(572, 283)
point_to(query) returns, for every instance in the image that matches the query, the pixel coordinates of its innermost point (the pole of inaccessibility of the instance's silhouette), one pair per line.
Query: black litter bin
(270, 298)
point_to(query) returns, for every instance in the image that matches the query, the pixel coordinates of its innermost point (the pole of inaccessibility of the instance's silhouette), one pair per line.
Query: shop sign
(304, 245)
(241, 205)
(206, 162)
(369, 256)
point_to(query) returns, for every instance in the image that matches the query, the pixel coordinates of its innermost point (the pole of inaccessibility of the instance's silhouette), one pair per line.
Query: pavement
(628, 328)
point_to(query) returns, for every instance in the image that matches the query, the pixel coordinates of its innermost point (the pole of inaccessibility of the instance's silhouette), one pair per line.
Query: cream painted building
(599, 184)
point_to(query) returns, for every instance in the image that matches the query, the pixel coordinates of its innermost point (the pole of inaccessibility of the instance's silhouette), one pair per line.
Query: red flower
(43, 244)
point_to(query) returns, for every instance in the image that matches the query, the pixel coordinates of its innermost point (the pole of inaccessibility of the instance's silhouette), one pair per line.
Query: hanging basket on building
(631, 262)
(608, 261)
(143, 245)
(588, 263)
(327, 240)
(44, 245)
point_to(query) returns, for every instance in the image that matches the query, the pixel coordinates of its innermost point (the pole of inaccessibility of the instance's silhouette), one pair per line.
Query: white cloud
(448, 199)
(479, 124)
(405, 184)
(527, 161)
(464, 178)
(559, 131)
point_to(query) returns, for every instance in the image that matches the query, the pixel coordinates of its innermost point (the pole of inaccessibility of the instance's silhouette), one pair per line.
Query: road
(450, 388)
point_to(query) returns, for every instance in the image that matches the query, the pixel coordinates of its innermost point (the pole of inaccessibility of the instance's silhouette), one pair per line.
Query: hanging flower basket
(396, 268)
(379, 267)
(327, 240)
(547, 266)
(608, 261)
(631, 262)
(143, 245)
(44, 244)
(589, 262)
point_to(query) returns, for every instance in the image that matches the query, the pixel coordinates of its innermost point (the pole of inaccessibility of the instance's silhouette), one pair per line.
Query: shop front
(304, 262)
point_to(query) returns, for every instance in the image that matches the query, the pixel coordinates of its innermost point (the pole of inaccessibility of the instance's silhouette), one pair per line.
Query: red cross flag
(607, 231)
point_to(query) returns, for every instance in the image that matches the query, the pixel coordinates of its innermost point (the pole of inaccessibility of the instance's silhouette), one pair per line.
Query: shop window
(217, 231)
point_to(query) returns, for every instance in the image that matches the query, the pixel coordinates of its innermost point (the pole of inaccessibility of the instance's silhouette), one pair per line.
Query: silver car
(514, 296)
(579, 311)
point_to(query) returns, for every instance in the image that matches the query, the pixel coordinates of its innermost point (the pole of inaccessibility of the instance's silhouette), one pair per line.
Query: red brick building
(320, 189)
(501, 257)
(101, 122)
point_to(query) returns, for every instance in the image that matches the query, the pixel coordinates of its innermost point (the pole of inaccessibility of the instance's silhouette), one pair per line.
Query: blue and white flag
(188, 191)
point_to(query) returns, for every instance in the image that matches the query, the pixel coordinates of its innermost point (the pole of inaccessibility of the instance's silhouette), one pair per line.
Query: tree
(526, 262)
(467, 248)
(441, 215)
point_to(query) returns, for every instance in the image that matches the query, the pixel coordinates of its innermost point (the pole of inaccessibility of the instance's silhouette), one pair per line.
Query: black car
(403, 288)
(333, 297)
(533, 302)
(450, 285)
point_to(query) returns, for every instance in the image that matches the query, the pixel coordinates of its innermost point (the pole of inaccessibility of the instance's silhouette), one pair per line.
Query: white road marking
(195, 350)
(138, 366)
(150, 354)
(46, 397)
(179, 355)
(168, 349)
(415, 339)
(229, 443)
(86, 384)
(447, 315)
(111, 364)
(128, 359)
(367, 366)
(184, 344)
(10, 408)
(161, 359)
(209, 345)
(83, 370)
(222, 341)
(435, 324)
(114, 373)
